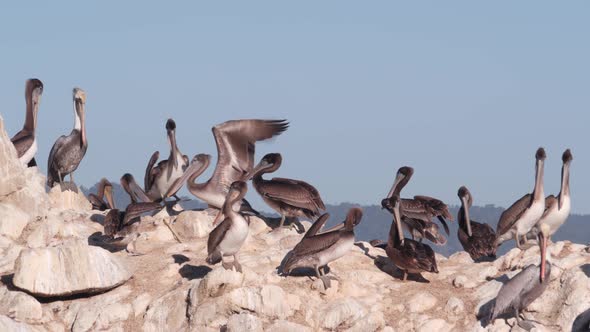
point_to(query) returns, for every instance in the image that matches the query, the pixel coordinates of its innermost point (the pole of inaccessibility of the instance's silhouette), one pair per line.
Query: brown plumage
(476, 238)
(98, 200)
(25, 141)
(290, 198)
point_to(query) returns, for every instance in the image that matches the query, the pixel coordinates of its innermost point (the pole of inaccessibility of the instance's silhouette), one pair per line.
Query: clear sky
(463, 91)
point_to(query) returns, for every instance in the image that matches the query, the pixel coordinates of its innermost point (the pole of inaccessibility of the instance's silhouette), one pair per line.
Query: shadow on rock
(586, 269)
(180, 259)
(191, 272)
(582, 322)
(485, 311)
(97, 218)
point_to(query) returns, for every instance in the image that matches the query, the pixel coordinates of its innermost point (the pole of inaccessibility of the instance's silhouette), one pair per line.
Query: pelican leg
(72, 177)
(405, 277)
(517, 240)
(282, 220)
(237, 264)
(523, 323)
(226, 265)
(323, 278)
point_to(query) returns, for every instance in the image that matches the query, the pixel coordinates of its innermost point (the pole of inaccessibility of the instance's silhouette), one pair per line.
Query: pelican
(159, 178)
(235, 142)
(290, 198)
(408, 255)
(25, 141)
(476, 238)
(417, 213)
(557, 209)
(317, 250)
(525, 287)
(229, 236)
(68, 151)
(104, 191)
(520, 218)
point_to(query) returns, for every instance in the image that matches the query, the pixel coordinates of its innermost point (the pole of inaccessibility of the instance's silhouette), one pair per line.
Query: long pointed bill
(248, 176)
(108, 193)
(543, 247)
(398, 178)
(136, 191)
(194, 168)
(172, 164)
(467, 218)
(398, 222)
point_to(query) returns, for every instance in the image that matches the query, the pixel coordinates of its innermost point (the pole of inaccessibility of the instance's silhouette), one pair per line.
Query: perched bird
(417, 213)
(316, 249)
(25, 141)
(476, 238)
(159, 178)
(68, 151)
(229, 236)
(290, 198)
(516, 221)
(525, 287)
(98, 200)
(236, 142)
(408, 255)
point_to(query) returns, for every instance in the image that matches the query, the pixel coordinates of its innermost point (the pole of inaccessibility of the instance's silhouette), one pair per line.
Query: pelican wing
(511, 292)
(436, 206)
(22, 141)
(317, 225)
(235, 142)
(512, 214)
(317, 243)
(135, 210)
(112, 223)
(293, 192)
(418, 254)
(150, 172)
(217, 235)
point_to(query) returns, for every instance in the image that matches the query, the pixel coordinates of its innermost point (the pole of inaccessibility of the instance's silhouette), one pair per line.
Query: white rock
(193, 225)
(7, 324)
(244, 322)
(461, 257)
(372, 322)
(421, 302)
(68, 200)
(454, 306)
(12, 220)
(219, 281)
(258, 226)
(435, 325)
(68, 270)
(340, 312)
(8, 256)
(169, 312)
(20, 306)
(286, 326)
(141, 303)
(112, 314)
(276, 303)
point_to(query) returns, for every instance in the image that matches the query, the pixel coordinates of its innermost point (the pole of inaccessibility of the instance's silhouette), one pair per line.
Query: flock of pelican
(533, 217)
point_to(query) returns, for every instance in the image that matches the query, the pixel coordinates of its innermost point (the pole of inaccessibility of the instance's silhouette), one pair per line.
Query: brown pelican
(317, 250)
(25, 141)
(520, 218)
(97, 200)
(290, 198)
(417, 213)
(159, 178)
(476, 238)
(525, 287)
(227, 238)
(408, 255)
(235, 142)
(68, 151)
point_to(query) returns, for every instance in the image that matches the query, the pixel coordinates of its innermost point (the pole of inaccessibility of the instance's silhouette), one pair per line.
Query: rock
(20, 306)
(68, 200)
(141, 303)
(421, 302)
(435, 325)
(113, 314)
(8, 256)
(12, 220)
(258, 226)
(372, 322)
(276, 303)
(454, 306)
(244, 322)
(286, 326)
(193, 225)
(60, 227)
(461, 257)
(340, 313)
(68, 270)
(219, 281)
(7, 324)
(169, 312)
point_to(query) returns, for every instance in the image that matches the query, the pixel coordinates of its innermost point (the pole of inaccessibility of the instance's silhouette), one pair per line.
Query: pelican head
(466, 201)
(34, 90)
(269, 163)
(402, 177)
(353, 218)
(567, 156)
(79, 95)
(540, 155)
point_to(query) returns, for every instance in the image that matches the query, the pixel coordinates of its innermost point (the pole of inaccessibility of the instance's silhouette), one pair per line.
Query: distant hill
(376, 221)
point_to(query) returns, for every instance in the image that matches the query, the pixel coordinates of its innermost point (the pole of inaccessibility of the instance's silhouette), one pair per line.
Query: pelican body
(25, 141)
(520, 218)
(159, 178)
(290, 198)
(477, 239)
(317, 250)
(68, 151)
(104, 191)
(417, 213)
(525, 287)
(408, 255)
(236, 141)
(229, 236)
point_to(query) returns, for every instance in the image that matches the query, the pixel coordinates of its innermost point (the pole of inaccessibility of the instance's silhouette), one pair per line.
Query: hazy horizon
(462, 92)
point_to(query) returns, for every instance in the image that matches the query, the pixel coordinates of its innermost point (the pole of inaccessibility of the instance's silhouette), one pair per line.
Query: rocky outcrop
(68, 270)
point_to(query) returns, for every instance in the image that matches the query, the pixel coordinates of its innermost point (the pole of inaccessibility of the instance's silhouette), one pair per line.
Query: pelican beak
(398, 179)
(543, 247)
(195, 167)
(261, 165)
(82, 114)
(108, 193)
(398, 221)
(468, 219)
(173, 152)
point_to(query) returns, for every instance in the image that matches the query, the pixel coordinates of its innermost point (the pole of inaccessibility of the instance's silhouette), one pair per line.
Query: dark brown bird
(25, 141)
(317, 250)
(417, 213)
(68, 151)
(476, 238)
(100, 201)
(236, 142)
(290, 198)
(516, 221)
(408, 255)
(229, 236)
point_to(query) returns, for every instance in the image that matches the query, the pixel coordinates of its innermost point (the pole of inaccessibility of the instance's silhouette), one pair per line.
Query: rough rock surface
(68, 270)
(48, 247)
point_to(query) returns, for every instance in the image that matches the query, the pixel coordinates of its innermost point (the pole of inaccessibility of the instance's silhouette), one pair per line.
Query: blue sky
(462, 91)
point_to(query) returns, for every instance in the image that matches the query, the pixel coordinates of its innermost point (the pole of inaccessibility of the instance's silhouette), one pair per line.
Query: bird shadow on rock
(6, 280)
(191, 272)
(582, 322)
(485, 311)
(97, 218)
(386, 265)
(97, 239)
(503, 278)
(180, 259)
(586, 269)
